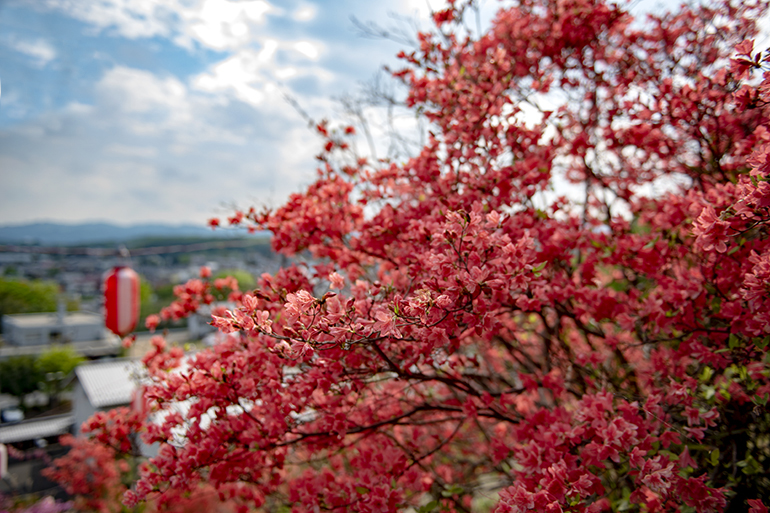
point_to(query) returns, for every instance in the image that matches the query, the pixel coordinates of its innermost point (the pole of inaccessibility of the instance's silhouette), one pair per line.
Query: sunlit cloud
(305, 13)
(307, 49)
(240, 74)
(223, 24)
(215, 24)
(284, 73)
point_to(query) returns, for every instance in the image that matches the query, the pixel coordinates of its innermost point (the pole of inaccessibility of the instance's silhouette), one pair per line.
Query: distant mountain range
(58, 234)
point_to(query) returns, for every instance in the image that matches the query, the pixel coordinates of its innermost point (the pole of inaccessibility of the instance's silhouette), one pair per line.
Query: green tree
(62, 359)
(148, 303)
(53, 367)
(19, 376)
(22, 296)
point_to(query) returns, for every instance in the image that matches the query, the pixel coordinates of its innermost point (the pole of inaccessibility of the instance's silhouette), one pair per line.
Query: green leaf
(362, 490)
(715, 457)
(618, 286)
(750, 466)
(651, 244)
(452, 490)
(539, 267)
(431, 506)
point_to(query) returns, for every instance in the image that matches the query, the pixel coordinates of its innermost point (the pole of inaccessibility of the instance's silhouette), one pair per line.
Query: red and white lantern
(121, 300)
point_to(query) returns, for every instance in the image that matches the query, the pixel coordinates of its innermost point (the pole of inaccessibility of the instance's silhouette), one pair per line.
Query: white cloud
(129, 18)
(305, 13)
(258, 53)
(254, 76)
(215, 24)
(151, 105)
(223, 24)
(141, 91)
(308, 49)
(152, 148)
(241, 74)
(41, 51)
(285, 73)
(268, 50)
(422, 8)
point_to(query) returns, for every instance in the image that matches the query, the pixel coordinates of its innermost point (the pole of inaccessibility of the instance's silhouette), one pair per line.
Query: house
(34, 333)
(22, 474)
(103, 385)
(36, 329)
(98, 386)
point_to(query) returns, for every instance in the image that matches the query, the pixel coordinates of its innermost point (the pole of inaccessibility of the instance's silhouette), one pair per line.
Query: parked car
(10, 415)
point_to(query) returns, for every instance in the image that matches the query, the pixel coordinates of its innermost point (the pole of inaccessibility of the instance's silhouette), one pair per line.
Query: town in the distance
(58, 362)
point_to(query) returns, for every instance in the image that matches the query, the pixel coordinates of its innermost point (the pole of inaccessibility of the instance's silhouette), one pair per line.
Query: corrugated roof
(36, 428)
(108, 383)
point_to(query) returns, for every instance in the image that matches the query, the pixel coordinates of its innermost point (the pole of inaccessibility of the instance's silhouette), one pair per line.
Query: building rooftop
(109, 383)
(36, 428)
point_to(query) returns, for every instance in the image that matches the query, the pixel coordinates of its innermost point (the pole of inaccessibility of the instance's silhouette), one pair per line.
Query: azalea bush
(99, 468)
(102, 466)
(467, 338)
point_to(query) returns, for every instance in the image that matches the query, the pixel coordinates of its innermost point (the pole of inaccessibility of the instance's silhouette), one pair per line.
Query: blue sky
(174, 111)
(139, 110)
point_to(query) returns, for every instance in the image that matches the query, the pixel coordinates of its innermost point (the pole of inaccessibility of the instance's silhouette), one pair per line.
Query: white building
(34, 333)
(103, 385)
(36, 329)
